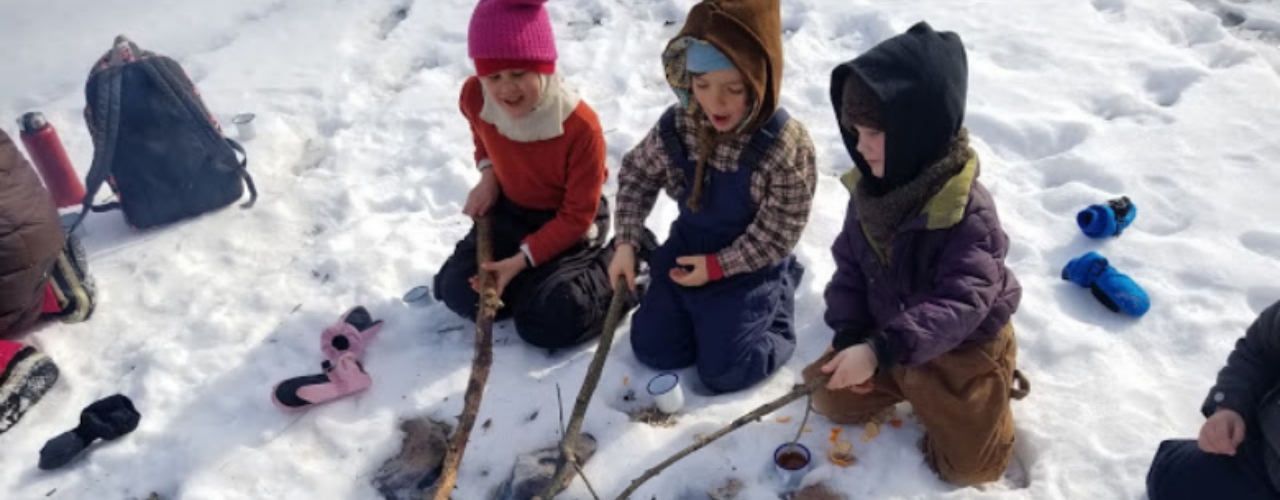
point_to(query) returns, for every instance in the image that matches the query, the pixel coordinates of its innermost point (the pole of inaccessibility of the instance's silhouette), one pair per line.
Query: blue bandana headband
(702, 57)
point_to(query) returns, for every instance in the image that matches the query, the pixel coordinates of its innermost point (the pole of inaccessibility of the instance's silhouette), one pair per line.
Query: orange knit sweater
(565, 174)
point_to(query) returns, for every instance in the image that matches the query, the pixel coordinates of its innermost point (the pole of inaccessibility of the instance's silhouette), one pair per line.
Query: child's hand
(695, 277)
(1222, 433)
(484, 195)
(851, 367)
(623, 265)
(505, 270)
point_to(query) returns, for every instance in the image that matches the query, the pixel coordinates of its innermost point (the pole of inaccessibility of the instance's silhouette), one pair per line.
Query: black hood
(921, 77)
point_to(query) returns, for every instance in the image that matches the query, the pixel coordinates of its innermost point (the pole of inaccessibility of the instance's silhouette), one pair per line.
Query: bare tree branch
(797, 392)
(570, 438)
(480, 363)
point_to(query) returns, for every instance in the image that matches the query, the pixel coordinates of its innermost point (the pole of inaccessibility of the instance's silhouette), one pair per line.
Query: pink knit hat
(511, 34)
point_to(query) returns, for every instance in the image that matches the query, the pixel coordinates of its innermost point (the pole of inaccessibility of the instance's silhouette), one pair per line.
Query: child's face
(516, 91)
(871, 147)
(722, 95)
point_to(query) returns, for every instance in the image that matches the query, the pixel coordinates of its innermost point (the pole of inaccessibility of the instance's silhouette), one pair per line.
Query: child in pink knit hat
(511, 34)
(541, 155)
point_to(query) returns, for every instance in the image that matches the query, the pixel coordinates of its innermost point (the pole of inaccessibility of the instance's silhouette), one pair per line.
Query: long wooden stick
(797, 392)
(570, 438)
(480, 363)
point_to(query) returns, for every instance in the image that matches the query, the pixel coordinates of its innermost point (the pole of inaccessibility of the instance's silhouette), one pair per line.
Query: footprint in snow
(1166, 86)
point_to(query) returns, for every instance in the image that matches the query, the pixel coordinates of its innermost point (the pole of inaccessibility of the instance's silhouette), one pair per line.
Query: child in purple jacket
(921, 299)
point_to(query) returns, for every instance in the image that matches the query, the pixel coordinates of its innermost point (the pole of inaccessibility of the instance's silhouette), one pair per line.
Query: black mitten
(107, 419)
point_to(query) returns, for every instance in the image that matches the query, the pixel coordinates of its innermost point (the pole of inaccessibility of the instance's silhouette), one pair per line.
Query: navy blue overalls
(737, 330)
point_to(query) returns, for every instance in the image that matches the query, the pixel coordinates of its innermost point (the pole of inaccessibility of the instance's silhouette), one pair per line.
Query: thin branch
(480, 363)
(797, 392)
(560, 406)
(585, 481)
(570, 438)
(808, 408)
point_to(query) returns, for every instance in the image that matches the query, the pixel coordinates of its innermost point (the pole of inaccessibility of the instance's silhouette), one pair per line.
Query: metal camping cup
(666, 391)
(791, 461)
(244, 124)
(418, 294)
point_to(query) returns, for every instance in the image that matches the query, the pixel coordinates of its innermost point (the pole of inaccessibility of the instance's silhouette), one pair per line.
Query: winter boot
(72, 286)
(25, 376)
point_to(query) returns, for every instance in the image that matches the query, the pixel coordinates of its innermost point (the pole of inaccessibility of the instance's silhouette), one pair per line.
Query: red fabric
(714, 271)
(565, 174)
(7, 352)
(486, 67)
(50, 303)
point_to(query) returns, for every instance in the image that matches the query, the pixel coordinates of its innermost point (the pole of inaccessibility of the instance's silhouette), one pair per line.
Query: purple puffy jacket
(946, 284)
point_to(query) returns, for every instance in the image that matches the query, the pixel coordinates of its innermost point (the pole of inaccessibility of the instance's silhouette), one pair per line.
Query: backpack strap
(161, 70)
(244, 173)
(763, 139)
(107, 123)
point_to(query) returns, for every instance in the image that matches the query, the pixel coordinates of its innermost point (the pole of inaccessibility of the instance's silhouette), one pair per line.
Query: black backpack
(155, 143)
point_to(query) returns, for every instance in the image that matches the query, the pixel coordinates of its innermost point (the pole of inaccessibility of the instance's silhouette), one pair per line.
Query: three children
(921, 298)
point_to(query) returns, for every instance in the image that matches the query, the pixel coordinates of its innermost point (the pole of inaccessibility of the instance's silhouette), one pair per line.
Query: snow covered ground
(363, 162)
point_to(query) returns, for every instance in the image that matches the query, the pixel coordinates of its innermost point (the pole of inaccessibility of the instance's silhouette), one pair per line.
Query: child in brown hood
(723, 284)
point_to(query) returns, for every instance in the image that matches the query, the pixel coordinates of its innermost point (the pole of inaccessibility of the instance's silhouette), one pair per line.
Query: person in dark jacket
(1237, 455)
(31, 239)
(921, 299)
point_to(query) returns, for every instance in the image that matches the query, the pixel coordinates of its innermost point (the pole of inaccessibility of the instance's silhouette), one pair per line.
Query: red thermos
(51, 160)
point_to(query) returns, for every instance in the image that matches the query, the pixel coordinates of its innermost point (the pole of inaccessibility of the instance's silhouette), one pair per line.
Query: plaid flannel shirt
(782, 188)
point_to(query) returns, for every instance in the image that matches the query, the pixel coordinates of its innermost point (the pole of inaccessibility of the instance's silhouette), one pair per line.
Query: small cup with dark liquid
(792, 461)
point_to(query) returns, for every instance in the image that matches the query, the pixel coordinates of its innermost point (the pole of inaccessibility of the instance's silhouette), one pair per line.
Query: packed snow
(363, 162)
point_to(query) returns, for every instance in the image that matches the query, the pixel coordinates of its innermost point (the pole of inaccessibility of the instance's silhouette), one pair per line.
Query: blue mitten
(1101, 221)
(1115, 290)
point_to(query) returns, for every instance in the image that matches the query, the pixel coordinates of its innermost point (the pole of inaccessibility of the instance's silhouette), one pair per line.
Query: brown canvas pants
(961, 398)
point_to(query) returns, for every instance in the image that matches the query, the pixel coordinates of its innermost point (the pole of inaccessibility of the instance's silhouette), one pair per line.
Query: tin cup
(791, 461)
(418, 295)
(666, 391)
(244, 125)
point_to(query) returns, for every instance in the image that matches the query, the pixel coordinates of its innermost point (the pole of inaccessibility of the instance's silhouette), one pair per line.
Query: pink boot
(351, 334)
(340, 378)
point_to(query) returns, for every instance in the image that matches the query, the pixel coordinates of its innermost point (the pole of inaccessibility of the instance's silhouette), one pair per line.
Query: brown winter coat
(30, 239)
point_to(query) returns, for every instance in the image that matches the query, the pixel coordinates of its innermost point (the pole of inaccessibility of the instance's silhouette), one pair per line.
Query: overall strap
(671, 139)
(763, 139)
